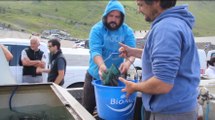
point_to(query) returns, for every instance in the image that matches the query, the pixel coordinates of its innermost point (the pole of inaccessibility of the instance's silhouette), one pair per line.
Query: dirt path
(17, 34)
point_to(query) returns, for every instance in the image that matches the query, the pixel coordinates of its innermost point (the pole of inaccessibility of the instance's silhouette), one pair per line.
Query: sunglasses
(50, 46)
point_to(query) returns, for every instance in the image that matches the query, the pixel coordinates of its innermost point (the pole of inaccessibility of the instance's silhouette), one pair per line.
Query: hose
(24, 115)
(10, 99)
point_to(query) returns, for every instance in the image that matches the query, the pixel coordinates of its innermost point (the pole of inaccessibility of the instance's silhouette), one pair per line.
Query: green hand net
(110, 77)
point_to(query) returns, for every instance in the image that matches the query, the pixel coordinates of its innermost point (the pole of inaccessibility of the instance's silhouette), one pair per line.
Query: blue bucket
(111, 103)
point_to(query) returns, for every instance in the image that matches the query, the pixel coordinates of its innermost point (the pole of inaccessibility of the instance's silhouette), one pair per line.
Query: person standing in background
(210, 71)
(57, 64)
(170, 63)
(33, 58)
(104, 41)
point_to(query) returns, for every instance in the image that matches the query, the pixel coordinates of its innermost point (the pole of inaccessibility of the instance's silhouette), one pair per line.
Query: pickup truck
(75, 70)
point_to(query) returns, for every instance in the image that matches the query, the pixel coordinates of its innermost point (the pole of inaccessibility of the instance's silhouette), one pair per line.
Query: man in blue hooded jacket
(104, 41)
(170, 63)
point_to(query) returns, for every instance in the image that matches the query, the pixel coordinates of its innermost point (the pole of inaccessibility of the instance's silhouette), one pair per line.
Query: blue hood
(104, 42)
(170, 54)
(114, 5)
(180, 12)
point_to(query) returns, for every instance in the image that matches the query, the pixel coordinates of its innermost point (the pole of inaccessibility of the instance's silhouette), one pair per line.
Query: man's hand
(124, 67)
(37, 63)
(41, 64)
(42, 70)
(39, 70)
(124, 50)
(102, 68)
(130, 87)
(27, 62)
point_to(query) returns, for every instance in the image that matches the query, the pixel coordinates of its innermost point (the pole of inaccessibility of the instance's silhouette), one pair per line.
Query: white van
(75, 70)
(77, 65)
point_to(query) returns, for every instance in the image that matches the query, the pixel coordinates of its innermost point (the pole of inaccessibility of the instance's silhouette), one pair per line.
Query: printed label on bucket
(123, 106)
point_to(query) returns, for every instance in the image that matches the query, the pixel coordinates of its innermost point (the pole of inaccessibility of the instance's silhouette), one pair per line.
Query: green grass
(204, 13)
(77, 17)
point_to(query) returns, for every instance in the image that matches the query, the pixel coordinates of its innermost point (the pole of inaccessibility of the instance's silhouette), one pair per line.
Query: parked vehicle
(54, 36)
(75, 70)
(79, 45)
(77, 63)
(44, 36)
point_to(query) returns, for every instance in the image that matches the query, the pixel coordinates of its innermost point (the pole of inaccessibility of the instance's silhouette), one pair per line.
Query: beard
(154, 14)
(112, 25)
(147, 19)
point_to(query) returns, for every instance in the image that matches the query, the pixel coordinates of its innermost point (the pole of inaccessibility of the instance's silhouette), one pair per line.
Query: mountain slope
(77, 17)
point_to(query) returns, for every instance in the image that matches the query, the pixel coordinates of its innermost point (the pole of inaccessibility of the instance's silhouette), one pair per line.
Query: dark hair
(211, 61)
(163, 3)
(104, 19)
(55, 42)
